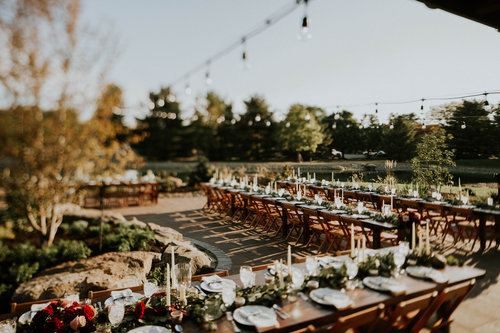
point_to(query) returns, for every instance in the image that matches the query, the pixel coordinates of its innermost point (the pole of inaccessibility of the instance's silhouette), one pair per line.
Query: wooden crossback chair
(107, 292)
(437, 316)
(407, 313)
(199, 277)
(26, 306)
(367, 319)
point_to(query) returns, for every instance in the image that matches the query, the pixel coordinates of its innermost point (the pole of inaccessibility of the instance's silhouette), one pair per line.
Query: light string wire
(268, 22)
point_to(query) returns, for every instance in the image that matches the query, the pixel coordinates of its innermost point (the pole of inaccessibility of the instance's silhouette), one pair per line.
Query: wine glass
(319, 200)
(352, 271)
(8, 326)
(150, 288)
(228, 295)
(183, 273)
(297, 278)
(360, 207)
(299, 195)
(404, 247)
(247, 277)
(399, 260)
(312, 265)
(116, 312)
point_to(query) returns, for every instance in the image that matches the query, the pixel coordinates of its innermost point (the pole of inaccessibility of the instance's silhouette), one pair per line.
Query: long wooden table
(306, 312)
(482, 215)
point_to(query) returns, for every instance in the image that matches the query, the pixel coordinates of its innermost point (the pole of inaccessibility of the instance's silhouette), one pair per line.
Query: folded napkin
(121, 294)
(38, 307)
(212, 279)
(259, 318)
(338, 302)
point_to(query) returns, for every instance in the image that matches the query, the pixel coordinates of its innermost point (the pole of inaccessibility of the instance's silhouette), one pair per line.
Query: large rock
(188, 251)
(107, 271)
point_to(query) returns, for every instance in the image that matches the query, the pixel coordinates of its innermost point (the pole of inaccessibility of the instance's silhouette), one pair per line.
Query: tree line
(306, 132)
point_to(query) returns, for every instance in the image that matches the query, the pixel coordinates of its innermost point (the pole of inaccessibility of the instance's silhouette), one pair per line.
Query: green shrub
(94, 230)
(75, 229)
(23, 272)
(68, 250)
(128, 238)
(201, 172)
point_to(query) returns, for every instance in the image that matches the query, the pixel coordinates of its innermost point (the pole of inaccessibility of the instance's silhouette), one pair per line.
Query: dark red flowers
(88, 312)
(140, 308)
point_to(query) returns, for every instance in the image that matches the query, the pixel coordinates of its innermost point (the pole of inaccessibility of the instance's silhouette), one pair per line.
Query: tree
(107, 136)
(432, 163)
(47, 59)
(400, 137)
(372, 133)
(344, 132)
(472, 132)
(255, 133)
(161, 130)
(302, 132)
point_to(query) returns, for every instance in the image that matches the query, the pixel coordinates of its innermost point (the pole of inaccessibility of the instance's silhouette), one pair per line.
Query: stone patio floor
(236, 245)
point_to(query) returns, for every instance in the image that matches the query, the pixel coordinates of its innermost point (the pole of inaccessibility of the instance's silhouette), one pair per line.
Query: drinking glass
(183, 274)
(352, 271)
(8, 326)
(150, 288)
(312, 265)
(465, 200)
(116, 312)
(360, 207)
(247, 277)
(399, 260)
(319, 200)
(228, 296)
(404, 247)
(297, 278)
(299, 195)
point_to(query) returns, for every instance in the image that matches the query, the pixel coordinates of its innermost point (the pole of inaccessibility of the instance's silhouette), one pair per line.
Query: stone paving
(236, 245)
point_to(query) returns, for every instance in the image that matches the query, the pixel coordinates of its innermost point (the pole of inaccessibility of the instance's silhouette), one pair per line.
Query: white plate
(422, 272)
(217, 286)
(255, 315)
(381, 283)
(327, 296)
(360, 216)
(335, 262)
(125, 300)
(150, 329)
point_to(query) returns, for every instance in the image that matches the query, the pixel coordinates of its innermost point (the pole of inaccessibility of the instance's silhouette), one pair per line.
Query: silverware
(279, 311)
(229, 317)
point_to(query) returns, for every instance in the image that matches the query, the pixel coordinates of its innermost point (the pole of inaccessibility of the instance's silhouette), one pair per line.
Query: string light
(268, 123)
(305, 29)
(257, 118)
(208, 79)
(486, 99)
(244, 55)
(160, 102)
(187, 89)
(307, 117)
(463, 126)
(391, 126)
(287, 125)
(334, 126)
(376, 107)
(422, 105)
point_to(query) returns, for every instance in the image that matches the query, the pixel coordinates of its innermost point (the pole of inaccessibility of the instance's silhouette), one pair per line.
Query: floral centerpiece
(63, 317)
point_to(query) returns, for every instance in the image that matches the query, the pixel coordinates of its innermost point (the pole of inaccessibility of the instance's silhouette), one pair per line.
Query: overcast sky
(361, 51)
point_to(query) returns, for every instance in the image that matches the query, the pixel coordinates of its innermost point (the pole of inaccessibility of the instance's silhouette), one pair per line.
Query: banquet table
(305, 312)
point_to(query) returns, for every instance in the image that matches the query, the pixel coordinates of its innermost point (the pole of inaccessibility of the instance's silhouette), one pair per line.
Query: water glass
(360, 207)
(8, 326)
(182, 273)
(312, 265)
(228, 296)
(150, 288)
(116, 312)
(352, 271)
(404, 247)
(399, 260)
(298, 278)
(247, 277)
(299, 195)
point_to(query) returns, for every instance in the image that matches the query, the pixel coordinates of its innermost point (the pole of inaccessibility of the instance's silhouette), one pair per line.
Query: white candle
(255, 180)
(298, 171)
(279, 268)
(342, 195)
(392, 202)
(314, 176)
(308, 176)
(420, 242)
(357, 250)
(182, 294)
(293, 172)
(413, 236)
(363, 248)
(333, 177)
(172, 265)
(352, 240)
(169, 302)
(289, 260)
(427, 238)
(275, 186)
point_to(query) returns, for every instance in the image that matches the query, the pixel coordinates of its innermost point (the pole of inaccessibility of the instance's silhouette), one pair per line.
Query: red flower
(88, 312)
(49, 310)
(54, 325)
(140, 308)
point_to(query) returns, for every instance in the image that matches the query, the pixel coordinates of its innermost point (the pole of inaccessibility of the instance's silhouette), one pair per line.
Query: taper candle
(413, 236)
(169, 302)
(427, 238)
(289, 260)
(352, 239)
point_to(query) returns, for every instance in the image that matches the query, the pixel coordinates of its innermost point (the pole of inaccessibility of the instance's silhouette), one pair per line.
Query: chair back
(367, 319)
(26, 306)
(199, 277)
(443, 306)
(406, 313)
(100, 294)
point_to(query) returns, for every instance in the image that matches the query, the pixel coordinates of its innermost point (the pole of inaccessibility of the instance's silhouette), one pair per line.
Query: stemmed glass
(247, 277)
(299, 195)
(8, 326)
(312, 265)
(399, 260)
(182, 274)
(352, 271)
(298, 278)
(360, 207)
(150, 288)
(116, 312)
(228, 295)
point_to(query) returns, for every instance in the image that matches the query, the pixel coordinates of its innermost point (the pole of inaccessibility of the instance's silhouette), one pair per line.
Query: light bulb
(347, 126)
(307, 117)
(257, 118)
(208, 79)
(391, 126)
(423, 126)
(250, 123)
(171, 98)
(463, 126)
(151, 105)
(188, 90)
(305, 30)
(334, 126)
(160, 102)
(337, 116)
(287, 125)
(233, 121)
(268, 123)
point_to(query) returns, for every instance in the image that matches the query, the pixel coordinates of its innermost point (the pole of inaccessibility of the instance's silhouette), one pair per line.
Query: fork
(279, 311)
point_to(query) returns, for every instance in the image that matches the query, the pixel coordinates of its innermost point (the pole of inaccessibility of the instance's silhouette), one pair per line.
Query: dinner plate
(255, 315)
(217, 286)
(150, 329)
(384, 284)
(360, 216)
(335, 262)
(124, 300)
(422, 272)
(327, 296)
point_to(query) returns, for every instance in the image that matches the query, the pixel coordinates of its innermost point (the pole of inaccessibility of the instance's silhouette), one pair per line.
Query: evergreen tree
(400, 137)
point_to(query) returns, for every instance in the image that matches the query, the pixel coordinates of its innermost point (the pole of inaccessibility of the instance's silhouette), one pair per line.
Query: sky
(361, 51)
